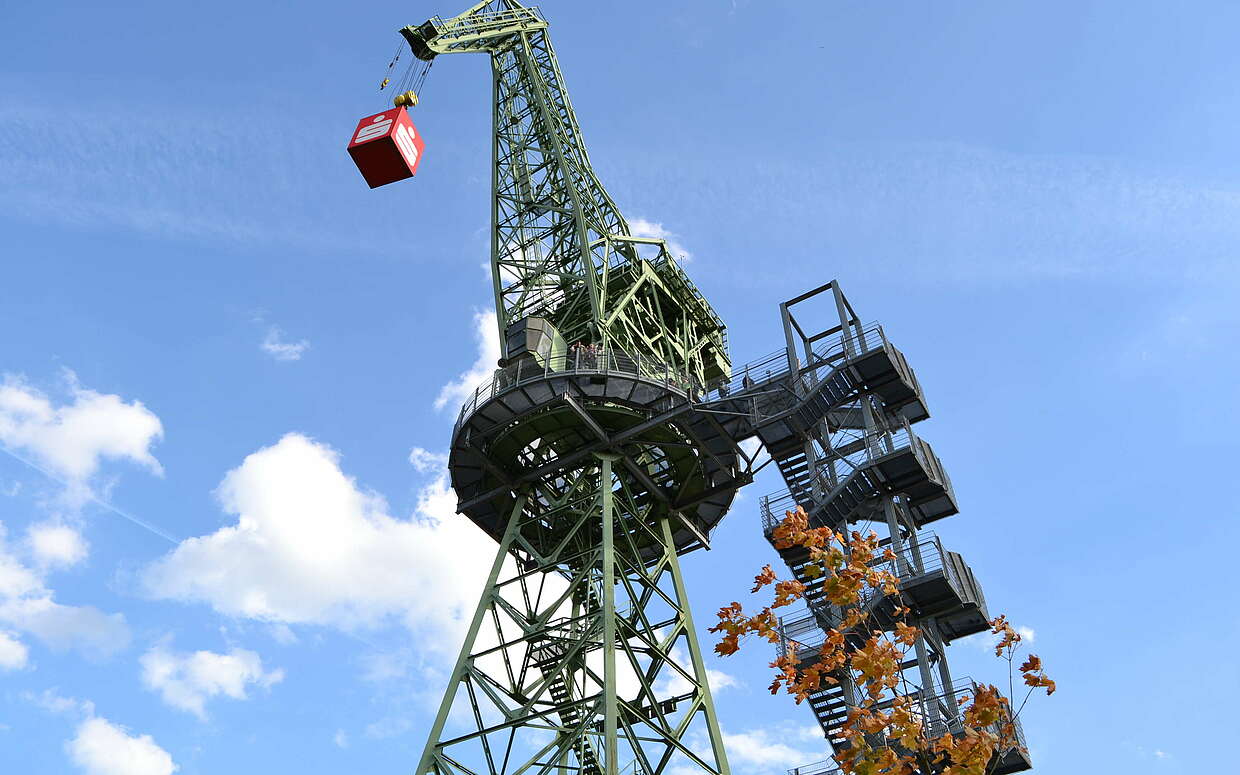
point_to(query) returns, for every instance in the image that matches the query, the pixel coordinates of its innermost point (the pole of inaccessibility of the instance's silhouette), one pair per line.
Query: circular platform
(539, 429)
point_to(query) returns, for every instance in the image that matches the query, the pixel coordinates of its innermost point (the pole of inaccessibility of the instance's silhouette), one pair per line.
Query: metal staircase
(548, 657)
(836, 420)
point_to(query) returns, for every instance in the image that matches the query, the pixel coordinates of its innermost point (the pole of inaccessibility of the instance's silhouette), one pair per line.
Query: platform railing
(833, 471)
(484, 22)
(774, 508)
(837, 468)
(579, 359)
(773, 367)
(825, 767)
(849, 343)
(767, 370)
(803, 629)
(941, 713)
(914, 560)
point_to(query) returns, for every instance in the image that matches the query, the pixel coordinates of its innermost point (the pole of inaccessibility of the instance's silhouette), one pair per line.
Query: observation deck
(532, 422)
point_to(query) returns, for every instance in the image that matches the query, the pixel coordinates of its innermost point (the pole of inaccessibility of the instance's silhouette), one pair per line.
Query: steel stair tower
(838, 426)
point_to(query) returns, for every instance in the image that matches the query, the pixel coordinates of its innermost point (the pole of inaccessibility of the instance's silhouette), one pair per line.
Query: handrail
(473, 24)
(578, 360)
(773, 367)
(824, 767)
(832, 473)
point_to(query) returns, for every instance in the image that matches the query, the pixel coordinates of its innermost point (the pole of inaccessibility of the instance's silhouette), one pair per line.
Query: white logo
(404, 135)
(377, 128)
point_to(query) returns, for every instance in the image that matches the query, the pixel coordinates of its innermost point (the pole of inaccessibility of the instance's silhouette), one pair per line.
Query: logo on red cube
(386, 147)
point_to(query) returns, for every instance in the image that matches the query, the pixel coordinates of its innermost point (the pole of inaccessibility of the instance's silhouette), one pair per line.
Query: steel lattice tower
(585, 457)
(608, 443)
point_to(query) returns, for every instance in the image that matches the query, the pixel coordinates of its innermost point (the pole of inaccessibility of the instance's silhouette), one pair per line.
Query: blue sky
(228, 545)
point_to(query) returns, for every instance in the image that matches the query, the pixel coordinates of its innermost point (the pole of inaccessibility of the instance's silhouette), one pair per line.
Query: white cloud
(195, 176)
(54, 702)
(640, 227)
(84, 628)
(186, 681)
(455, 392)
(275, 345)
(27, 604)
(103, 748)
(987, 640)
(674, 683)
(72, 439)
(283, 634)
(386, 666)
(310, 546)
(341, 739)
(427, 462)
(388, 728)
(13, 653)
(763, 751)
(55, 545)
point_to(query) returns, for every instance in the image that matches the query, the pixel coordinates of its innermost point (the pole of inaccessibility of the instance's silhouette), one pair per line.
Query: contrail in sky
(93, 498)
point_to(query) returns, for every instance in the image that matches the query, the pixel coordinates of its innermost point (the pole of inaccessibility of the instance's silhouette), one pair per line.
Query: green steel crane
(608, 443)
(560, 249)
(587, 457)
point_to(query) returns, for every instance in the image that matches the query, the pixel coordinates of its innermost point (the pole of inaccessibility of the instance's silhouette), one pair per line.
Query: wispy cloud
(13, 653)
(73, 438)
(275, 345)
(455, 392)
(186, 681)
(68, 441)
(947, 213)
(28, 605)
(640, 227)
(184, 175)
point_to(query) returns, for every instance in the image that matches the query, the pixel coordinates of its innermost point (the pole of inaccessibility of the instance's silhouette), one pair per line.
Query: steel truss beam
(560, 248)
(582, 655)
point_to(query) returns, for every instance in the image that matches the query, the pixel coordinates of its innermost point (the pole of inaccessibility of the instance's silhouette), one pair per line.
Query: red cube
(386, 147)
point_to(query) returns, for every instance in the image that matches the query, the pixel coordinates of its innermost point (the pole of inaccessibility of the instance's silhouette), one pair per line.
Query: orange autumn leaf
(885, 730)
(767, 576)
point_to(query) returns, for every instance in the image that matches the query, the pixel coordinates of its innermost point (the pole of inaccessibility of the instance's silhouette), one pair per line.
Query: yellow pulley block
(406, 100)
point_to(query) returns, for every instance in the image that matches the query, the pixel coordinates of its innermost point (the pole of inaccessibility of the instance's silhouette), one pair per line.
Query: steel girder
(582, 655)
(560, 248)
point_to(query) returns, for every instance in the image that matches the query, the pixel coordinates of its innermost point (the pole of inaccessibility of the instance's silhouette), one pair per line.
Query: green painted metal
(590, 663)
(560, 249)
(581, 657)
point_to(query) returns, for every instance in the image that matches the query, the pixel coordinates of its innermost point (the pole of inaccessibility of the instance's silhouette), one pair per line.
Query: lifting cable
(409, 87)
(387, 75)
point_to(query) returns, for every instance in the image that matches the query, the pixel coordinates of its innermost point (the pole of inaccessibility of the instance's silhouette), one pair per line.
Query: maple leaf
(907, 635)
(788, 592)
(767, 576)
(883, 731)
